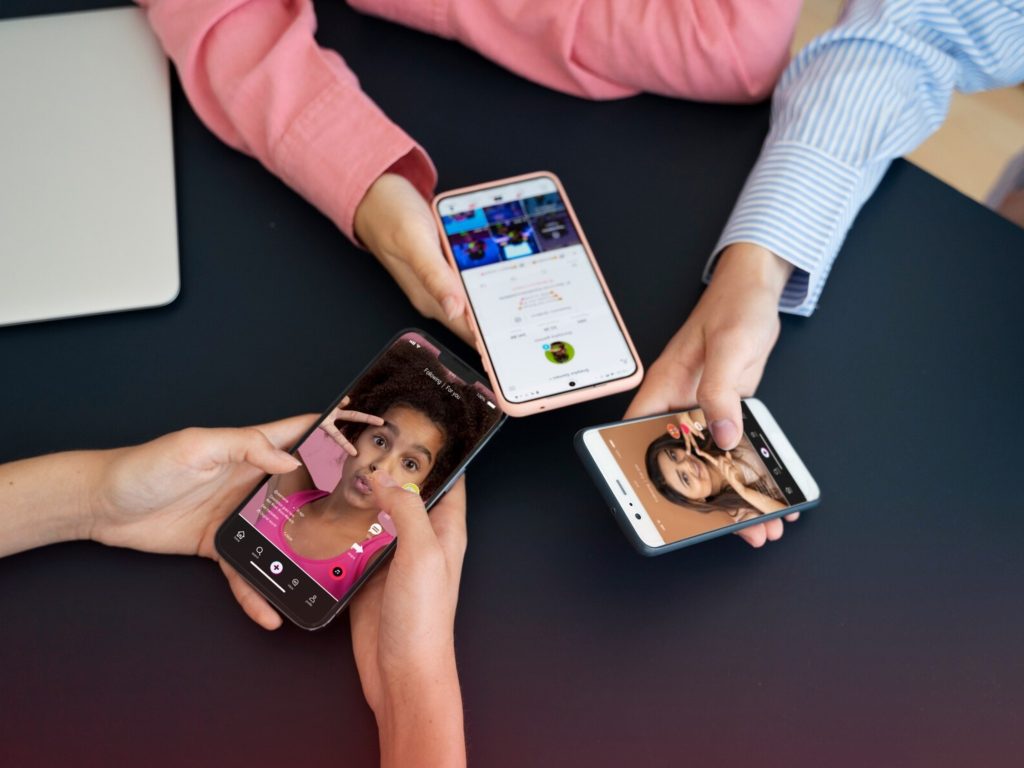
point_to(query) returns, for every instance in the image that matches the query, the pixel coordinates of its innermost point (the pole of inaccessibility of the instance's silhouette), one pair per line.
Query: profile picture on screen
(559, 352)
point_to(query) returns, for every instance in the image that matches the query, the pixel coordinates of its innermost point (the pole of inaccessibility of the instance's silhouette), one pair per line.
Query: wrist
(83, 475)
(94, 495)
(362, 219)
(420, 717)
(372, 209)
(406, 684)
(754, 265)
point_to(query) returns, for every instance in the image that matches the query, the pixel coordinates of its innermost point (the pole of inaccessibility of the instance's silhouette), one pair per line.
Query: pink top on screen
(335, 574)
(325, 462)
(257, 78)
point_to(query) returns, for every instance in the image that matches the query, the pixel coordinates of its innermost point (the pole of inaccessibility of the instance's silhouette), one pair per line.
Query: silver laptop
(87, 213)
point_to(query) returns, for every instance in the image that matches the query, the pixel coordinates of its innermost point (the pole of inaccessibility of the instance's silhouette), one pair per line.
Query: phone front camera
(637, 515)
(572, 383)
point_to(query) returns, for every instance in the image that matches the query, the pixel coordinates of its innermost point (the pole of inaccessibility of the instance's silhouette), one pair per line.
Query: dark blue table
(884, 629)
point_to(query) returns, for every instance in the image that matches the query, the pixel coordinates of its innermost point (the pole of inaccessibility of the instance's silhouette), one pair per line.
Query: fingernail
(411, 488)
(383, 479)
(285, 455)
(686, 429)
(387, 523)
(451, 307)
(724, 432)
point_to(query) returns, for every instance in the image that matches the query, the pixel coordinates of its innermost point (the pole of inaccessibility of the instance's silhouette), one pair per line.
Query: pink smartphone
(545, 322)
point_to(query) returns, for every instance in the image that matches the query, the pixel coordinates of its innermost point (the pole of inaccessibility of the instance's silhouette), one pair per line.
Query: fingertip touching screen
(688, 485)
(308, 538)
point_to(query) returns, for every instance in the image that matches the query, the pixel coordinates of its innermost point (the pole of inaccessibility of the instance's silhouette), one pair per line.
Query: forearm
(868, 91)
(47, 499)
(255, 75)
(731, 50)
(421, 722)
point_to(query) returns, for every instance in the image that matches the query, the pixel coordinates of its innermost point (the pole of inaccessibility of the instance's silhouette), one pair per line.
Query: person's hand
(171, 494)
(403, 629)
(689, 426)
(690, 431)
(715, 461)
(395, 223)
(341, 414)
(719, 354)
(727, 468)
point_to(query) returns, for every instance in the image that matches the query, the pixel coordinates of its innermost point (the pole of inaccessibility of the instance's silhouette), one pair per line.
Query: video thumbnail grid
(509, 231)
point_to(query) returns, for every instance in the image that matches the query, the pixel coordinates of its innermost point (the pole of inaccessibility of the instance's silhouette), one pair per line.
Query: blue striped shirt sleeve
(867, 91)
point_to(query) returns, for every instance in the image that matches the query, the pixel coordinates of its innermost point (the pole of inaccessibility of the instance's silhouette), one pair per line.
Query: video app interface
(310, 535)
(539, 304)
(688, 485)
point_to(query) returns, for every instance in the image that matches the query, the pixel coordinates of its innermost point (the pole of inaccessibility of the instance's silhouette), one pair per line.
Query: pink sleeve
(257, 78)
(714, 50)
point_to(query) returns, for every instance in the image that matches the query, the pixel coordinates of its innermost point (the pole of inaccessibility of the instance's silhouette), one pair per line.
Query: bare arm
(403, 631)
(47, 499)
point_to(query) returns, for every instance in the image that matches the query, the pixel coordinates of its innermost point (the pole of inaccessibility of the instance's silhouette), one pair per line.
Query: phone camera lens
(572, 383)
(637, 515)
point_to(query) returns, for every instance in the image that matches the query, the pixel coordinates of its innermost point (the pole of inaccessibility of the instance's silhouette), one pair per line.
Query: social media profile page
(541, 309)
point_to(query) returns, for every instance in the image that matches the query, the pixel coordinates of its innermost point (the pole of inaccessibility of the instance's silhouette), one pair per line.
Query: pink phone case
(566, 398)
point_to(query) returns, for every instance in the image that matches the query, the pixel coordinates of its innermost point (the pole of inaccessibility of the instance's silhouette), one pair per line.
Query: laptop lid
(87, 207)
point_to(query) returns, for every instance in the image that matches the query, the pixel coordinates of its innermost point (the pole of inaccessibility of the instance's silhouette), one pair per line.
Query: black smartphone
(307, 540)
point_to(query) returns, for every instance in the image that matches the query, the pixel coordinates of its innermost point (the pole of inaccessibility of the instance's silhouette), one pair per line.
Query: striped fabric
(865, 92)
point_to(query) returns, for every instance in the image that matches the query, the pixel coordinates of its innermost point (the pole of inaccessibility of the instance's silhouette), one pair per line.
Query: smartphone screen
(542, 311)
(688, 486)
(308, 539)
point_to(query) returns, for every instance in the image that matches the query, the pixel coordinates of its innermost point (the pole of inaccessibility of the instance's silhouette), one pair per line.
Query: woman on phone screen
(693, 472)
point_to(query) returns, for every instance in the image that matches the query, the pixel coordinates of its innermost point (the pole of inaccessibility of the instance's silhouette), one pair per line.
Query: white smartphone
(545, 322)
(670, 486)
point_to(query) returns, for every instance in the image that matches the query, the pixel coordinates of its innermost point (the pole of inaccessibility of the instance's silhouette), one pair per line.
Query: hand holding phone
(170, 495)
(395, 223)
(307, 540)
(720, 352)
(544, 320)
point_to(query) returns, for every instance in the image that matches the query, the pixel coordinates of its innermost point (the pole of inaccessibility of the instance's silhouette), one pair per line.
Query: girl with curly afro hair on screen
(408, 416)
